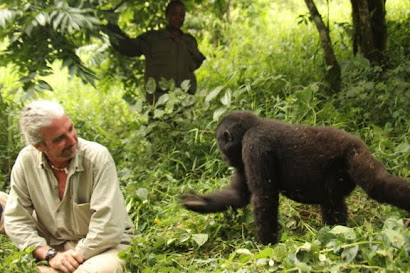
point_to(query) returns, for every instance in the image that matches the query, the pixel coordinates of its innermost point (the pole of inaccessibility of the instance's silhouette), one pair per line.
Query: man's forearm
(41, 252)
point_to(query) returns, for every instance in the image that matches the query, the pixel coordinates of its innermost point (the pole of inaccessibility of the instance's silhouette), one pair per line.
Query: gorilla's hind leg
(334, 212)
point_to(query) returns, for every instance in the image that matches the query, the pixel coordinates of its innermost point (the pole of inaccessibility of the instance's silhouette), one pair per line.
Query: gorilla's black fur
(313, 165)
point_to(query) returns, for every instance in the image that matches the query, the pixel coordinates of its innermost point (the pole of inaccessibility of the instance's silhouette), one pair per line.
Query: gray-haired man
(65, 199)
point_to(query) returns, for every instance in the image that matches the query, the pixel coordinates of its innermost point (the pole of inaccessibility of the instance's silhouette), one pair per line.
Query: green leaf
(162, 99)
(349, 253)
(304, 95)
(214, 93)
(322, 258)
(200, 239)
(343, 231)
(219, 112)
(65, 23)
(158, 113)
(142, 193)
(8, 16)
(303, 267)
(393, 238)
(305, 247)
(267, 252)
(150, 86)
(185, 85)
(171, 241)
(59, 17)
(165, 84)
(184, 237)
(353, 92)
(237, 93)
(243, 251)
(280, 251)
(42, 19)
(28, 29)
(74, 25)
(227, 98)
(262, 261)
(44, 85)
(403, 147)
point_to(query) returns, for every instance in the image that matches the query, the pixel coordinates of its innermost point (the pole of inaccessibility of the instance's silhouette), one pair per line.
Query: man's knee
(106, 262)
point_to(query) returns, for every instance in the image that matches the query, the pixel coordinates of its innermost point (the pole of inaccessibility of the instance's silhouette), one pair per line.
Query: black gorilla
(313, 165)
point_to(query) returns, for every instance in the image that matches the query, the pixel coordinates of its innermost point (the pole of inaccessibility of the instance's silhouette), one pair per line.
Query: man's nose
(72, 138)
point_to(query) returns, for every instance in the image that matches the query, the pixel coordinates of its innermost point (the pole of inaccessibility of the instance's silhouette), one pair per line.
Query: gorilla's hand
(406, 221)
(195, 203)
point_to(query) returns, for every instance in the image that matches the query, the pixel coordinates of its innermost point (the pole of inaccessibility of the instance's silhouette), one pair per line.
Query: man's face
(176, 17)
(60, 140)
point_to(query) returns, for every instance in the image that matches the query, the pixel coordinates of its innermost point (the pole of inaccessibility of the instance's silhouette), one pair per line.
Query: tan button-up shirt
(92, 210)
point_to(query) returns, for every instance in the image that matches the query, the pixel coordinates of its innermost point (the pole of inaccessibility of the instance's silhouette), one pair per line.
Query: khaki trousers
(105, 262)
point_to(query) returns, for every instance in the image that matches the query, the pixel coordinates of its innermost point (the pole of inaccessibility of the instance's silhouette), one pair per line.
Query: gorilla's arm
(237, 195)
(259, 156)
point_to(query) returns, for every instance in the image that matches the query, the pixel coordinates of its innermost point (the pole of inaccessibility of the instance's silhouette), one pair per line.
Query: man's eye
(58, 139)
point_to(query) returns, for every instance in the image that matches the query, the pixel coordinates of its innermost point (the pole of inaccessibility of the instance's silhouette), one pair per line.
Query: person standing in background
(169, 53)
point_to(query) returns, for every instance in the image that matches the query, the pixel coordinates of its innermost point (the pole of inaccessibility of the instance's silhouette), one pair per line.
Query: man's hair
(173, 4)
(37, 115)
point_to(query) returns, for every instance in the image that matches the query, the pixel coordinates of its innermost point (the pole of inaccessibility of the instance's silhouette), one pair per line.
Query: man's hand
(66, 261)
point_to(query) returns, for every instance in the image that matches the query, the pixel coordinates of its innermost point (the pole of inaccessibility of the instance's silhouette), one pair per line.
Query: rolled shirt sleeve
(19, 223)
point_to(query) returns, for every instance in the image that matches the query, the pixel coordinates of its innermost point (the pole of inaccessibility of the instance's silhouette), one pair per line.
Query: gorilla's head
(229, 135)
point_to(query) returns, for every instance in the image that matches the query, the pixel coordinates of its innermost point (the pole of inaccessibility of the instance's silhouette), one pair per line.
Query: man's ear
(40, 147)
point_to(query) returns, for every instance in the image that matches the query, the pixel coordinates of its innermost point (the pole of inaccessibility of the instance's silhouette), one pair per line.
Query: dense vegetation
(267, 58)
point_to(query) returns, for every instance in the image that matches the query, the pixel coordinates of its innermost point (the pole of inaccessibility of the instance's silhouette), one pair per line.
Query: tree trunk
(369, 28)
(379, 27)
(366, 35)
(333, 75)
(228, 11)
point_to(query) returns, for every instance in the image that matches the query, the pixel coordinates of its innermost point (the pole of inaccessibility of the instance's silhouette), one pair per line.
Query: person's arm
(18, 221)
(65, 261)
(20, 225)
(109, 217)
(197, 56)
(122, 43)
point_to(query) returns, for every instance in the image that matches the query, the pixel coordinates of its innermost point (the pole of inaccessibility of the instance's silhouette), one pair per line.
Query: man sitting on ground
(65, 200)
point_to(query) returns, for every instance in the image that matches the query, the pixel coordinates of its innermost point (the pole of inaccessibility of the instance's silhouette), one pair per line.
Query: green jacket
(165, 56)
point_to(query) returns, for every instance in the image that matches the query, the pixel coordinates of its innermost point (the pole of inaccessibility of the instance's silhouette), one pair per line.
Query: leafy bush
(10, 142)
